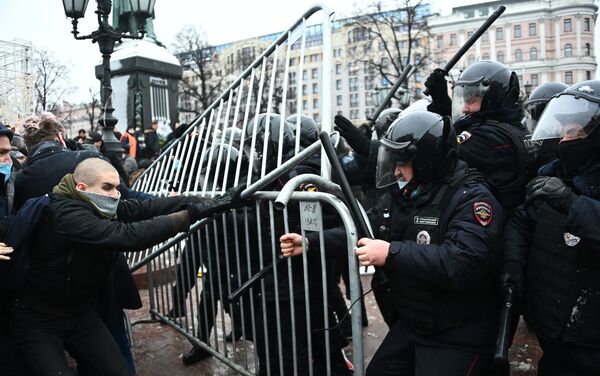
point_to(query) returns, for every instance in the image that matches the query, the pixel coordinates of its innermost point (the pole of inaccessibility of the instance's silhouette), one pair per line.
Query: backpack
(14, 274)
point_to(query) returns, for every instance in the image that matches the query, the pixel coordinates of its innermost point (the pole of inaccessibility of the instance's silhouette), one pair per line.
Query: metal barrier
(285, 324)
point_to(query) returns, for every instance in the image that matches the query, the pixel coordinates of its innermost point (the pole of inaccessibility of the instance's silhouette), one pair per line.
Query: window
(305, 104)
(518, 55)
(453, 39)
(315, 102)
(485, 37)
(304, 75)
(338, 84)
(402, 44)
(568, 50)
(500, 57)
(338, 69)
(470, 13)
(517, 31)
(586, 24)
(352, 69)
(292, 80)
(368, 100)
(339, 100)
(368, 83)
(304, 90)
(337, 52)
(358, 34)
(316, 117)
(352, 51)
(314, 58)
(534, 80)
(588, 75)
(486, 56)
(588, 50)
(499, 33)
(314, 73)
(354, 100)
(440, 41)
(353, 84)
(567, 25)
(469, 34)
(569, 77)
(292, 92)
(353, 114)
(533, 53)
(315, 88)
(532, 29)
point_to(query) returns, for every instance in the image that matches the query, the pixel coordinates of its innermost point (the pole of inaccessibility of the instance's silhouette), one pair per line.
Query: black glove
(231, 199)
(437, 86)
(357, 141)
(512, 276)
(552, 190)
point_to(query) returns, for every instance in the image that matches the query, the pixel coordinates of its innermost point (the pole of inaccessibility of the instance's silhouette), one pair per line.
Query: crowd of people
(469, 197)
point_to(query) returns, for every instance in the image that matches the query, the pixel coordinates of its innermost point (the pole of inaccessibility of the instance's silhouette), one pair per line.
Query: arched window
(533, 53)
(500, 57)
(588, 50)
(568, 50)
(518, 55)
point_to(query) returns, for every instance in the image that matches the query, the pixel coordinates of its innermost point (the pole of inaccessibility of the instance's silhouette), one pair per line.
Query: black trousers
(400, 355)
(43, 339)
(566, 359)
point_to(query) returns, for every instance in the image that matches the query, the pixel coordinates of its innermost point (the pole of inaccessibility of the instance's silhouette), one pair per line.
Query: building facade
(540, 40)
(16, 80)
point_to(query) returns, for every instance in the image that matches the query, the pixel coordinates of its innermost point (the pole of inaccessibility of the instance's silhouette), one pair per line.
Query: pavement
(158, 348)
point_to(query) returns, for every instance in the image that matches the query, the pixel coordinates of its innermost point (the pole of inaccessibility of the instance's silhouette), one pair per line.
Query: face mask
(107, 205)
(6, 169)
(402, 184)
(575, 154)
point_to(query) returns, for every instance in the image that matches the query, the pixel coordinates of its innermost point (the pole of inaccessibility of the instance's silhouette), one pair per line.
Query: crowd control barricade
(283, 322)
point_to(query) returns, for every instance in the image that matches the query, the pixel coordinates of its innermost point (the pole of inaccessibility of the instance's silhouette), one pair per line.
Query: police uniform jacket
(561, 256)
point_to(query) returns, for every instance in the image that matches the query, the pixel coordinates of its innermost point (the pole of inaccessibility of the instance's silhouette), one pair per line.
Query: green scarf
(66, 188)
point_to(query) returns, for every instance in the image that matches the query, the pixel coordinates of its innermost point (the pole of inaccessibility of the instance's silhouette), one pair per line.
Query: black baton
(471, 41)
(501, 355)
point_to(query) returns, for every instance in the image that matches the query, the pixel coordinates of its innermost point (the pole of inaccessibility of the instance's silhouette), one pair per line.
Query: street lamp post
(106, 36)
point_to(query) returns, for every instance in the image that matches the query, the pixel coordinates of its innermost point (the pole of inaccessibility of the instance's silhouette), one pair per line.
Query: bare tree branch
(51, 82)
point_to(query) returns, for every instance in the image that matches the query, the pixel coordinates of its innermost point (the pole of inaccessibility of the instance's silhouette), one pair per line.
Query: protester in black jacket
(437, 244)
(83, 225)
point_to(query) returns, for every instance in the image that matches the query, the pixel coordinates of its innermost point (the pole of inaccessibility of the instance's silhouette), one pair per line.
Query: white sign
(310, 216)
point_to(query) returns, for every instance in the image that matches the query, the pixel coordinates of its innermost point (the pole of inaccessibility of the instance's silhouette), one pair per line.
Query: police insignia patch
(570, 239)
(309, 187)
(463, 137)
(483, 213)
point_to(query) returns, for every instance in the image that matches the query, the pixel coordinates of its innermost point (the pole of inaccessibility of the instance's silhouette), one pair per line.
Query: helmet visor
(567, 116)
(466, 99)
(387, 161)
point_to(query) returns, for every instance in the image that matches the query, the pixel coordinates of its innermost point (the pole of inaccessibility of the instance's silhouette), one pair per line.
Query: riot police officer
(487, 118)
(437, 231)
(552, 245)
(545, 150)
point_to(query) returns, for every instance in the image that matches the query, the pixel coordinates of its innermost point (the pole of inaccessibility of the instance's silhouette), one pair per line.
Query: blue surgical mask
(402, 184)
(6, 169)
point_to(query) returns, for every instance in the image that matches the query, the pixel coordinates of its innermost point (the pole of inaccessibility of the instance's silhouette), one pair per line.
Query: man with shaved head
(83, 227)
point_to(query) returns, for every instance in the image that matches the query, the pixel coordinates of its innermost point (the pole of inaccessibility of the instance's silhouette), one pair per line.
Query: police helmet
(309, 133)
(573, 113)
(424, 138)
(261, 141)
(218, 172)
(385, 119)
(489, 82)
(538, 100)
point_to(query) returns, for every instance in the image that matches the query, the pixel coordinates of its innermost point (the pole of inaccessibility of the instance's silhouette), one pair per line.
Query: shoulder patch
(483, 212)
(309, 187)
(463, 137)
